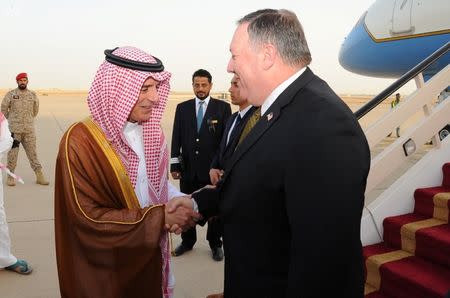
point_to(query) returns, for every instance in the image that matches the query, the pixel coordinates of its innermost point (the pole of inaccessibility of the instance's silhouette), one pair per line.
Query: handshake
(180, 214)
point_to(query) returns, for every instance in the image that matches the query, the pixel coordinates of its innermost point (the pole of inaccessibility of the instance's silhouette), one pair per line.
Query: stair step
(392, 228)
(413, 277)
(428, 238)
(414, 259)
(406, 276)
(371, 292)
(433, 202)
(371, 250)
(376, 249)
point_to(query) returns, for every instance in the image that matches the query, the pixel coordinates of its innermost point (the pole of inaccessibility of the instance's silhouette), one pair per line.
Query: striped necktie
(200, 115)
(250, 124)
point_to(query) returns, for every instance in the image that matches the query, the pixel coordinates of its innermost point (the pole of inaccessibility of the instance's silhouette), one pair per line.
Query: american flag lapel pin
(269, 116)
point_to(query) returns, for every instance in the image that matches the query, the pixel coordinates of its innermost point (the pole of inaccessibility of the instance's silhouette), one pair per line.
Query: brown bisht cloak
(106, 245)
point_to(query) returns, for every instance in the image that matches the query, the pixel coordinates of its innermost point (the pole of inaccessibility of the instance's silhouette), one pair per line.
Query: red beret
(21, 76)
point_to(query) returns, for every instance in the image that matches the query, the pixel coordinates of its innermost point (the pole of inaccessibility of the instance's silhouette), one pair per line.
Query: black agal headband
(127, 63)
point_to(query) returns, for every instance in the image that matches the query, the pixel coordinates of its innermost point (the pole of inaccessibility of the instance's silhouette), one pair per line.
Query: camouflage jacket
(20, 108)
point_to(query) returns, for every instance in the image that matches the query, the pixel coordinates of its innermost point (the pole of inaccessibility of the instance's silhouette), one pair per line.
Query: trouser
(6, 258)
(215, 226)
(28, 141)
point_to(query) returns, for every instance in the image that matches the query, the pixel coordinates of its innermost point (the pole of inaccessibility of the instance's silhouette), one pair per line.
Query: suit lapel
(269, 117)
(223, 142)
(193, 119)
(210, 110)
(228, 127)
(234, 137)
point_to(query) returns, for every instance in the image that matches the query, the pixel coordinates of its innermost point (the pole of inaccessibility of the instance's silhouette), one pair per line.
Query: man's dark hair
(202, 73)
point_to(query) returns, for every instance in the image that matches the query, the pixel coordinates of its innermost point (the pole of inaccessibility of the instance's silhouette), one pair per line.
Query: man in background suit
(292, 195)
(233, 130)
(197, 130)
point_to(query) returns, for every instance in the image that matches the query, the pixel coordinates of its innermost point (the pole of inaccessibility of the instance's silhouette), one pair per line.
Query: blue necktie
(200, 115)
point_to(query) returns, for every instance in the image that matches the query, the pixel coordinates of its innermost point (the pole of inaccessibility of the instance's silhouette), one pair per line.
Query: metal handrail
(402, 81)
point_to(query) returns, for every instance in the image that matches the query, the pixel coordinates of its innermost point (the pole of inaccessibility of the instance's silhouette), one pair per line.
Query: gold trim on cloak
(116, 164)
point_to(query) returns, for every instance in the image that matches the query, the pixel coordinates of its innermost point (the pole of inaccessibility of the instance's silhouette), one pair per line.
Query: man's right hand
(215, 175)
(180, 215)
(176, 175)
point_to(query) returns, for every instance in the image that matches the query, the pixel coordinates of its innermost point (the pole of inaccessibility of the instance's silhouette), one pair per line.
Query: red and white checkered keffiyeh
(112, 96)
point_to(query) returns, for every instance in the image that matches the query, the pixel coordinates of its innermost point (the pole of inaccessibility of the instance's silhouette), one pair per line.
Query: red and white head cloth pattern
(112, 96)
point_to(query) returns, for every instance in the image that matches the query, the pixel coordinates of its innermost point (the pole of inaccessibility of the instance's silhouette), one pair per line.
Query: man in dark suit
(197, 130)
(233, 129)
(292, 195)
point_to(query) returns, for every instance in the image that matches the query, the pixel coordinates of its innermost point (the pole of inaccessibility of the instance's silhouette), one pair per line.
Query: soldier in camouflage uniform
(20, 106)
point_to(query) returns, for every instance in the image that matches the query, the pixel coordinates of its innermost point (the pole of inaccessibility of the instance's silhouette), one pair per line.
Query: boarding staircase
(414, 258)
(405, 228)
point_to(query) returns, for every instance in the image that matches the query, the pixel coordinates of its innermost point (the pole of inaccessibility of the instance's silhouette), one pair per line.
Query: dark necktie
(250, 124)
(200, 115)
(238, 120)
(233, 132)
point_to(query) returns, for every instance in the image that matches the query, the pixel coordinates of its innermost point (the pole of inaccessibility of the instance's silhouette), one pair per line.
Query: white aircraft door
(401, 17)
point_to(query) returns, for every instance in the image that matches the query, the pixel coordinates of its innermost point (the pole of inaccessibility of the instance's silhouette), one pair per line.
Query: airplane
(405, 228)
(393, 36)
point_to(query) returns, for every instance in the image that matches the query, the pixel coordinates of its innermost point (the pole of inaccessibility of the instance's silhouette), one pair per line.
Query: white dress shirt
(205, 105)
(242, 113)
(277, 91)
(133, 135)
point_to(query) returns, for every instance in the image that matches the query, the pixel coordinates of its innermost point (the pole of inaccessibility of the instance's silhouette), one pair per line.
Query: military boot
(10, 181)
(40, 179)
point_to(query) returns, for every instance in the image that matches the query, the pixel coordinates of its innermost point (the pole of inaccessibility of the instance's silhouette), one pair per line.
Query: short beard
(22, 87)
(203, 97)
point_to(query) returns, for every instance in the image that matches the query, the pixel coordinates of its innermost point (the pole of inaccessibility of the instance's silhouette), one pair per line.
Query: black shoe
(217, 254)
(181, 249)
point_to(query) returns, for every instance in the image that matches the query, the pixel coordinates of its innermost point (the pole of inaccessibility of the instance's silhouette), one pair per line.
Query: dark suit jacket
(226, 150)
(291, 199)
(197, 149)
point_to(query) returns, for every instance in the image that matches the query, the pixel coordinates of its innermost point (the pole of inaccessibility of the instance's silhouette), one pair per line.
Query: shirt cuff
(173, 191)
(174, 160)
(194, 205)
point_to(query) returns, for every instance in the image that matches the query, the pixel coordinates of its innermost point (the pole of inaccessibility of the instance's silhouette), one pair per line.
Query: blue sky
(60, 43)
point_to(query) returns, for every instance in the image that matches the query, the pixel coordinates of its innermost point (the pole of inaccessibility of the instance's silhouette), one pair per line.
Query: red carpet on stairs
(423, 205)
(414, 259)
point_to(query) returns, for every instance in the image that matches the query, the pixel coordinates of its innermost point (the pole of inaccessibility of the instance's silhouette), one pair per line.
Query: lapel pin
(269, 116)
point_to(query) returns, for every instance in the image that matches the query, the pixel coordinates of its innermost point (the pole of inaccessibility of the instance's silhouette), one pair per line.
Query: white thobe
(133, 135)
(6, 258)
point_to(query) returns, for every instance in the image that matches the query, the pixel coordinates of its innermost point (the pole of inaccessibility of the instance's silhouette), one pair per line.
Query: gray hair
(282, 29)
